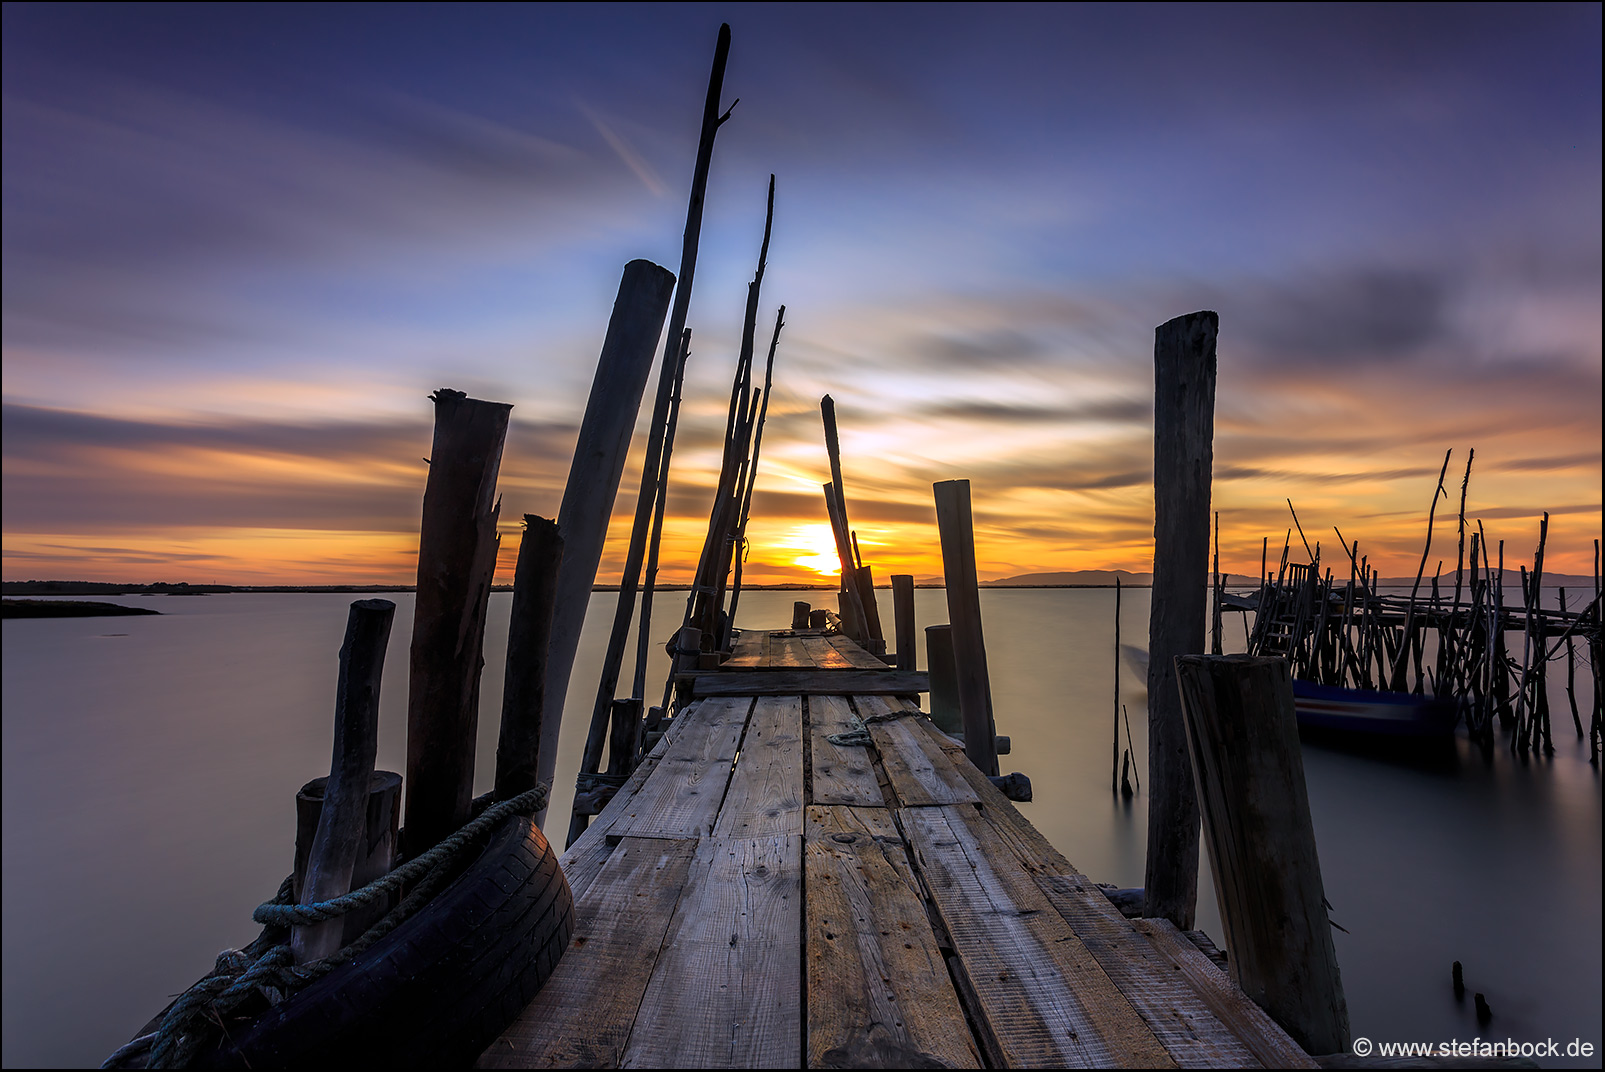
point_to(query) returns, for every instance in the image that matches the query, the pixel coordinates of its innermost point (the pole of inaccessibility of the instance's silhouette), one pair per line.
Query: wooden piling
(956, 527)
(903, 620)
(529, 637)
(799, 614)
(343, 822)
(593, 478)
(944, 680)
(864, 579)
(456, 561)
(1184, 417)
(377, 854)
(1242, 735)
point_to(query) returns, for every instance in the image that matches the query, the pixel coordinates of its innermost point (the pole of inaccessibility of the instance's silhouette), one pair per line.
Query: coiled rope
(857, 733)
(267, 966)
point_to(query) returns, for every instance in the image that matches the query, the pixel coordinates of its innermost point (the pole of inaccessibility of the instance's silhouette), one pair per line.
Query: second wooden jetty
(806, 872)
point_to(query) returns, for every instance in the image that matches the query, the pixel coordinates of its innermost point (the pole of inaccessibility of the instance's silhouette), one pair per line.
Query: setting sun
(814, 547)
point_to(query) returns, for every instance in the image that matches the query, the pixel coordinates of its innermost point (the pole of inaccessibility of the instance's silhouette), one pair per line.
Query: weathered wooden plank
(726, 992)
(681, 797)
(581, 1018)
(583, 861)
(620, 804)
(842, 774)
(919, 771)
(749, 650)
(825, 654)
(879, 994)
(884, 682)
(1263, 1036)
(1043, 999)
(791, 653)
(766, 791)
(855, 654)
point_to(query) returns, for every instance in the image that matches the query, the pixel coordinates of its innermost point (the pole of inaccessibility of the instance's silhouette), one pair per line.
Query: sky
(242, 244)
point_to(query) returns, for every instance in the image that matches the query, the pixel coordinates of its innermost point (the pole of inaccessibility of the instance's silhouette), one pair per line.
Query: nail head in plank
(879, 993)
(726, 991)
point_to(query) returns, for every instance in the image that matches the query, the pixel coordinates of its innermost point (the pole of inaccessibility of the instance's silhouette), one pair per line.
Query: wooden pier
(805, 871)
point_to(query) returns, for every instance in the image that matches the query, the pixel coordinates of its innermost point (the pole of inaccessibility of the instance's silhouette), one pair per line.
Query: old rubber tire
(441, 987)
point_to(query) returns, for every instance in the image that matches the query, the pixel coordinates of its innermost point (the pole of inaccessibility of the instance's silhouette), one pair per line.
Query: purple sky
(243, 243)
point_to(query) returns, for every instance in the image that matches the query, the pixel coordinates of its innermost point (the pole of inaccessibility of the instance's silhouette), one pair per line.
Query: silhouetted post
(529, 637)
(593, 477)
(344, 819)
(944, 679)
(954, 523)
(903, 619)
(1184, 418)
(1243, 738)
(456, 561)
(864, 579)
(799, 614)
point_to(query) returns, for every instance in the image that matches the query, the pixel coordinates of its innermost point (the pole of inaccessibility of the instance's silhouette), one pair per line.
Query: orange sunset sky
(242, 248)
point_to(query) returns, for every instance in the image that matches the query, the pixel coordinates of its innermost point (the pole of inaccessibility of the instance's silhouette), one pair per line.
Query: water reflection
(149, 776)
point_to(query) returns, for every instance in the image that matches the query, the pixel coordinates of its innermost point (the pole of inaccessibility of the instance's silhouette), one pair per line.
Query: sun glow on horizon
(813, 547)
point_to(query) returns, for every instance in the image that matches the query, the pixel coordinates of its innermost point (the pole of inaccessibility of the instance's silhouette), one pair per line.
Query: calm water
(150, 766)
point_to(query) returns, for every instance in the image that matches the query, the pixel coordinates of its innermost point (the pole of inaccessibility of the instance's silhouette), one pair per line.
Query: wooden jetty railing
(804, 871)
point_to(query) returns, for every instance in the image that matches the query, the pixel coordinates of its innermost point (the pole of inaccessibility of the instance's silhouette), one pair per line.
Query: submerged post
(456, 560)
(344, 820)
(1184, 419)
(903, 619)
(1242, 735)
(954, 523)
(593, 477)
(529, 636)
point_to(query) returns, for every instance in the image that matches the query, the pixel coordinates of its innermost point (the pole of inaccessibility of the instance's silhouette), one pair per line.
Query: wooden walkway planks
(681, 796)
(756, 896)
(842, 774)
(766, 791)
(1046, 1001)
(583, 1016)
(777, 682)
(879, 995)
(727, 989)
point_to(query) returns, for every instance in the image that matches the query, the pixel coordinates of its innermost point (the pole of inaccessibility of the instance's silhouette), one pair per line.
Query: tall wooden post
(529, 637)
(903, 619)
(456, 561)
(955, 525)
(593, 477)
(1184, 418)
(1242, 735)
(337, 844)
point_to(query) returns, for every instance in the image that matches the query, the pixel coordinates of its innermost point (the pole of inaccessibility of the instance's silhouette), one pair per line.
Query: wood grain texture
(726, 992)
(919, 771)
(842, 774)
(882, 682)
(879, 993)
(824, 653)
(681, 797)
(1043, 998)
(1253, 1025)
(766, 791)
(855, 654)
(619, 806)
(582, 1017)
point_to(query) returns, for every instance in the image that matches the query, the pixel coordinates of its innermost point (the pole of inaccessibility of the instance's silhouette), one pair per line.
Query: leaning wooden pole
(529, 638)
(593, 477)
(456, 560)
(839, 522)
(1184, 417)
(340, 839)
(1242, 734)
(757, 450)
(956, 528)
(649, 588)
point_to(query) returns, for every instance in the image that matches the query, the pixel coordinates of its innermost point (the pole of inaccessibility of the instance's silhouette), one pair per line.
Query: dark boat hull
(1372, 712)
